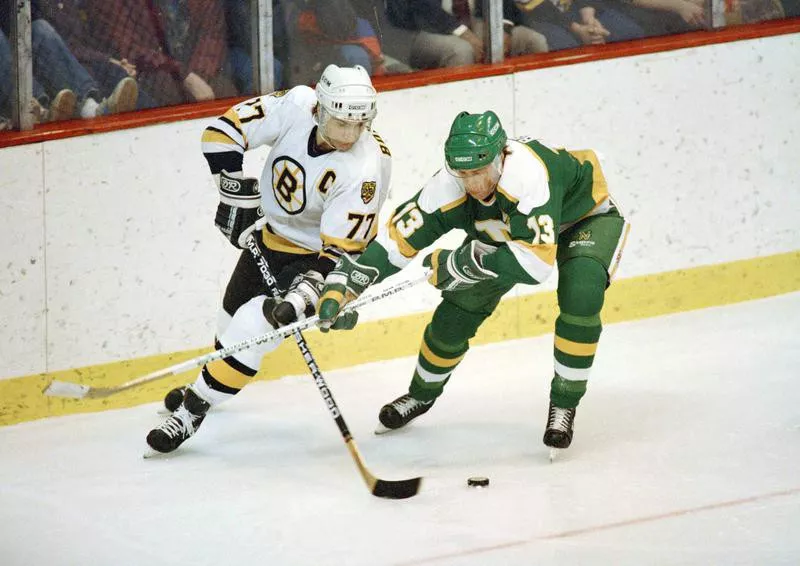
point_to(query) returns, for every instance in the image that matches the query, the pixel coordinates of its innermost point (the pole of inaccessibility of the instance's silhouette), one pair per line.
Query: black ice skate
(560, 423)
(400, 412)
(174, 398)
(182, 424)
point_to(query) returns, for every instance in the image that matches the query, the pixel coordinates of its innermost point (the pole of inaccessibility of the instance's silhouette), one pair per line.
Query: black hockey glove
(239, 208)
(300, 301)
(459, 269)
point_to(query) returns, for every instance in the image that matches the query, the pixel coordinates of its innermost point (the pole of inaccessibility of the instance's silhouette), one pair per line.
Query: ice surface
(686, 451)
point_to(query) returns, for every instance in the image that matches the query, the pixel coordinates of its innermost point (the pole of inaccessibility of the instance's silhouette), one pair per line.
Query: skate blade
(380, 429)
(150, 454)
(554, 454)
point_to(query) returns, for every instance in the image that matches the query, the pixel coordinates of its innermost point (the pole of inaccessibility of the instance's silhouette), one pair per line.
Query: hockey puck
(478, 481)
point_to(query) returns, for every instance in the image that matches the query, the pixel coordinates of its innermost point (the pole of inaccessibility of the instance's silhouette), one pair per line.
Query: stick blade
(65, 389)
(401, 489)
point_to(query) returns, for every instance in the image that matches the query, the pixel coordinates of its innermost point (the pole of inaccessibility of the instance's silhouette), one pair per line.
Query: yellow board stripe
(633, 298)
(227, 375)
(437, 360)
(575, 348)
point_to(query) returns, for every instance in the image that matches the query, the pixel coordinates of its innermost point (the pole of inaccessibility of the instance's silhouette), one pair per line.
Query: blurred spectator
(394, 41)
(330, 32)
(177, 49)
(791, 8)
(72, 19)
(240, 46)
(664, 17)
(439, 39)
(62, 87)
(567, 23)
(518, 39)
(752, 11)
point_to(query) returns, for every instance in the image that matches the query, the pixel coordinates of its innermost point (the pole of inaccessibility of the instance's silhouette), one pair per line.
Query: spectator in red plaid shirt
(175, 48)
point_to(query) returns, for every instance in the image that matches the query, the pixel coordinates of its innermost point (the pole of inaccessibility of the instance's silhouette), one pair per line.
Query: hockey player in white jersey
(323, 184)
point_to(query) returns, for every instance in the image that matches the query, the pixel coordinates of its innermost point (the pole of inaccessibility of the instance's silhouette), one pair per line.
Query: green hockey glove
(459, 269)
(345, 283)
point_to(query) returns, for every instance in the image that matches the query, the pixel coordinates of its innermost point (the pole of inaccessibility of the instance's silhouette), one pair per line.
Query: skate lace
(181, 422)
(561, 419)
(407, 404)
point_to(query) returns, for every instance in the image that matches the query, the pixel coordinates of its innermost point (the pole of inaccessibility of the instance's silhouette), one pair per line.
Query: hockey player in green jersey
(525, 208)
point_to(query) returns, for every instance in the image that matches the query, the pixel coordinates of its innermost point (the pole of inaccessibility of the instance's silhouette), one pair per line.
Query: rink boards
(116, 269)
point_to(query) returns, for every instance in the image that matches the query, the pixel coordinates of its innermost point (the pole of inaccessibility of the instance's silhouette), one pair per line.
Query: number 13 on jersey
(543, 230)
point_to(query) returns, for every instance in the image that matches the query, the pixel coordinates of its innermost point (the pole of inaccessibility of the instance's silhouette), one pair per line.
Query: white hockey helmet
(346, 93)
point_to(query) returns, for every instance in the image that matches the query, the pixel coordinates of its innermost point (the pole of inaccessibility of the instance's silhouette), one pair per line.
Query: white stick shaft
(65, 389)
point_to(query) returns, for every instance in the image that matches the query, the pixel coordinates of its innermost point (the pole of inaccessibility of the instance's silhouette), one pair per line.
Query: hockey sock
(435, 362)
(222, 379)
(581, 292)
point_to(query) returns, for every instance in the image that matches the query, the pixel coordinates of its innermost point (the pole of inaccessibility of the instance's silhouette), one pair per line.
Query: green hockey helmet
(475, 140)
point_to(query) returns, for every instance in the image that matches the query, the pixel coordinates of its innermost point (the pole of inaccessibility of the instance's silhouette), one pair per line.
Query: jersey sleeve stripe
(232, 119)
(224, 126)
(212, 135)
(536, 259)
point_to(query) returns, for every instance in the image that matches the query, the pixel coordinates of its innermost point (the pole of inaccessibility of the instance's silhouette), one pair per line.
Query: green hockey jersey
(541, 192)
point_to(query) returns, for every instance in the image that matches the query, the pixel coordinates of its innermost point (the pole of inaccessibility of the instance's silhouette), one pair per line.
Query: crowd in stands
(99, 57)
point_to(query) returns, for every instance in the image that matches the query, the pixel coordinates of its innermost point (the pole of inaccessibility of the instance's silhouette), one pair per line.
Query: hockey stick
(399, 489)
(77, 391)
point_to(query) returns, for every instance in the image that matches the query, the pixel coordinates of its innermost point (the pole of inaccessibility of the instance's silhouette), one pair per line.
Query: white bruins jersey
(326, 202)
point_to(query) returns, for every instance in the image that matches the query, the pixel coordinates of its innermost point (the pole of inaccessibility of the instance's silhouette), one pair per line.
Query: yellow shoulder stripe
(456, 203)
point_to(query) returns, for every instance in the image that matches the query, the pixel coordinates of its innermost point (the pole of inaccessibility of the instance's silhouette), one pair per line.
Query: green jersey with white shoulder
(541, 192)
